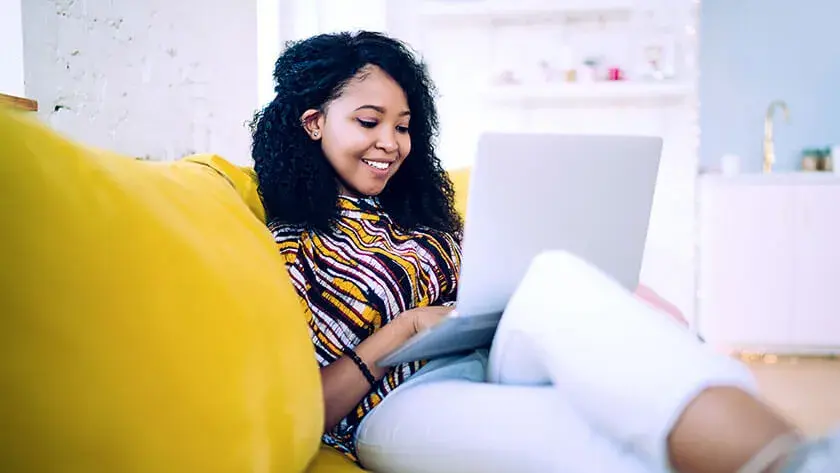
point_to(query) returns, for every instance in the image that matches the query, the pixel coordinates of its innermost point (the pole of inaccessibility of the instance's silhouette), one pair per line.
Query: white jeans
(583, 378)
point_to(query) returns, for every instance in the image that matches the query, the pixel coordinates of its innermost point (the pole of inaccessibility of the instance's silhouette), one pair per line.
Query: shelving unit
(483, 10)
(544, 66)
(619, 90)
(526, 39)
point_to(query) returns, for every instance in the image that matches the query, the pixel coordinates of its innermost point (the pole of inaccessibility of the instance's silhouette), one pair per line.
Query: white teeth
(377, 165)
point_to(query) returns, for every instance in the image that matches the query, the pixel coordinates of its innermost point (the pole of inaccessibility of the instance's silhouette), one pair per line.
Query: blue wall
(755, 51)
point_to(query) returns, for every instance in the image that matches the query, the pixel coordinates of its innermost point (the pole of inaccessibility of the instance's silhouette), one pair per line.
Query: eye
(366, 123)
(402, 129)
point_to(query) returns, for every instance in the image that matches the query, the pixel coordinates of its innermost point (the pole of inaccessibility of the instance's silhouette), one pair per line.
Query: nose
(387, 141)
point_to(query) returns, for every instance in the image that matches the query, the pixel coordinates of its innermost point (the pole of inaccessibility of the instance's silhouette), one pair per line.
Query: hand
(422, 318)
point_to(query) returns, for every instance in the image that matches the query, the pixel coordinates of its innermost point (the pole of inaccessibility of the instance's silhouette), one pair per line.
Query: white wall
(284, 20)
(157, 78)
(337, 15)
(269, 44)
(465, 55)
(164, 78)
(11, 53)
(462, 57)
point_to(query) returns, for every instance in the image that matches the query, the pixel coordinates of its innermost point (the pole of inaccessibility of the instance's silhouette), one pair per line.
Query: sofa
(148, 322)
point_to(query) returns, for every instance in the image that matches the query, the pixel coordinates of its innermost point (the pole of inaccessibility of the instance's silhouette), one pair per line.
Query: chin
(363, 183)
(372, 191)
(368, 189)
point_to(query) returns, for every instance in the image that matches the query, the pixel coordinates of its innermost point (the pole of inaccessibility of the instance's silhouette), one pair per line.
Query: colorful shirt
(357, 278)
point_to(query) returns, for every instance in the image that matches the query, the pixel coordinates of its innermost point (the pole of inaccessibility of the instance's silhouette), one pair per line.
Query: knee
(516, 357)
(569, 273)
(557, 259)
(561, 263)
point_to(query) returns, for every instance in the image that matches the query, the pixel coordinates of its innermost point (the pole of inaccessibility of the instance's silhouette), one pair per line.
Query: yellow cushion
(460, 181)
(148, 324)
(330, 460)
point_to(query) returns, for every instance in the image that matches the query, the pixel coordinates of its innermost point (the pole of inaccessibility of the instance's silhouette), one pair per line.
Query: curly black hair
(296, 182)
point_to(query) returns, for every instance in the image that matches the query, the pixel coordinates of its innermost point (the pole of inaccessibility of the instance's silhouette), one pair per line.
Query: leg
(465, 427)
(633, 371)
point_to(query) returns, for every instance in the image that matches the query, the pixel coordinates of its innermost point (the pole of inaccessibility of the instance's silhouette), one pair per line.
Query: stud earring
(316, 134)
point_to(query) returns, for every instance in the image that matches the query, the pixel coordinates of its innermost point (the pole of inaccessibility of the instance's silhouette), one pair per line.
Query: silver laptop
(590, 195)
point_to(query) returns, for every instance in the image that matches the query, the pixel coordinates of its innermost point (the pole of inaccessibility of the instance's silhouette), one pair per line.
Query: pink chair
(651, 297)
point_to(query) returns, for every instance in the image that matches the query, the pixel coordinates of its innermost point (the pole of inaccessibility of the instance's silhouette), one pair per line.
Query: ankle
(774, 456)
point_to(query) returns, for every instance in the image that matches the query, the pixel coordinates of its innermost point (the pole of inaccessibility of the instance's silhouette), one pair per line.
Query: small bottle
(810, 160)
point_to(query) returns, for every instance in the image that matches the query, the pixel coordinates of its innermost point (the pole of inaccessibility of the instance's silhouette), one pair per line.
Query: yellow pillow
(460, 182)
(148, 324)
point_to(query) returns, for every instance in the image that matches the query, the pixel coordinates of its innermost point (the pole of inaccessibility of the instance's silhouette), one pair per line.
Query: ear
(312, 121)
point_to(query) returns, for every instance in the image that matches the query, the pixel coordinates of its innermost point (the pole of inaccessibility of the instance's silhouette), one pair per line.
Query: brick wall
(157, 78)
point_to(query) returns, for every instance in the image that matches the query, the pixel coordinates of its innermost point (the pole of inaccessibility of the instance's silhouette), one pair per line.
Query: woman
(363, 214)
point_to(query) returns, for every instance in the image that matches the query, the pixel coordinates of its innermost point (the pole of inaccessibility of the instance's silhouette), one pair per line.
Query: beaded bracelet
(362, 367)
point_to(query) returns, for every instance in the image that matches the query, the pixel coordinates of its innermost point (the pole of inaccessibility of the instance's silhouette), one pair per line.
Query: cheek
(344, 149)
(405, 145)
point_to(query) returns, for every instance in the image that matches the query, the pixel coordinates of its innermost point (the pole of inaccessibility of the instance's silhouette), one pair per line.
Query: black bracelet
(362, 367)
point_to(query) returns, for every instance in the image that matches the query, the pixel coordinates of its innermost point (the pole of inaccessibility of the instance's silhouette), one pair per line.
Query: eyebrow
(382, 109)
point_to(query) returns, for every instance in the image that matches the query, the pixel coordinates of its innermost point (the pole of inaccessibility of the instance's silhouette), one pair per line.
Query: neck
(345, 190)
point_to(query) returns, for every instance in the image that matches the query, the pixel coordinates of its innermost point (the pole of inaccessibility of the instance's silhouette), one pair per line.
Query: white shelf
(597, 91)
(521, 9)
(776, 178)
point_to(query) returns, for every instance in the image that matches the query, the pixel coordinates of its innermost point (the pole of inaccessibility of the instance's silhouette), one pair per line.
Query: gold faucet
(769, 147)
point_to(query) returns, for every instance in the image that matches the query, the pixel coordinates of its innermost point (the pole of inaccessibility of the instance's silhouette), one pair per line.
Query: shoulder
(444, 236)
(287, 237)
(284, 231)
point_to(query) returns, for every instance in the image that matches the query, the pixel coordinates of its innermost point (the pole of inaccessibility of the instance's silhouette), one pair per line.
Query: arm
(344, 386)
(342, 383)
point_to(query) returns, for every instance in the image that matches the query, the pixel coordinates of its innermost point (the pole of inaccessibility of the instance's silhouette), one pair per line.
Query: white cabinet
(11, 58)
(743, 292)
(769, 263)
(816, 268)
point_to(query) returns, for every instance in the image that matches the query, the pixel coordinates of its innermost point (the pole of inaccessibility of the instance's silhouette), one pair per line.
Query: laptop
(590, 195)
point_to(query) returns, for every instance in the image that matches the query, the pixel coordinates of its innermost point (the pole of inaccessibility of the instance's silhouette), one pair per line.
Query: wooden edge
(18, 103)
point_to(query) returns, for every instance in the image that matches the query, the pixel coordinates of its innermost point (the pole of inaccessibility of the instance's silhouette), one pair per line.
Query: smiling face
(364, 132)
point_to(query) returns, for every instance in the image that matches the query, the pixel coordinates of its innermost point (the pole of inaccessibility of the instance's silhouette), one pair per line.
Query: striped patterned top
(357, 278)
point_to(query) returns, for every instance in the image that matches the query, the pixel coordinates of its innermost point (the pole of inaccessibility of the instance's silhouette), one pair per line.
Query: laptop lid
(590, 195)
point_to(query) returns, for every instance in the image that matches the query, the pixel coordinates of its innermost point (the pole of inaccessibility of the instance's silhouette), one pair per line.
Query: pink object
(651, 297)
(615, 73)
